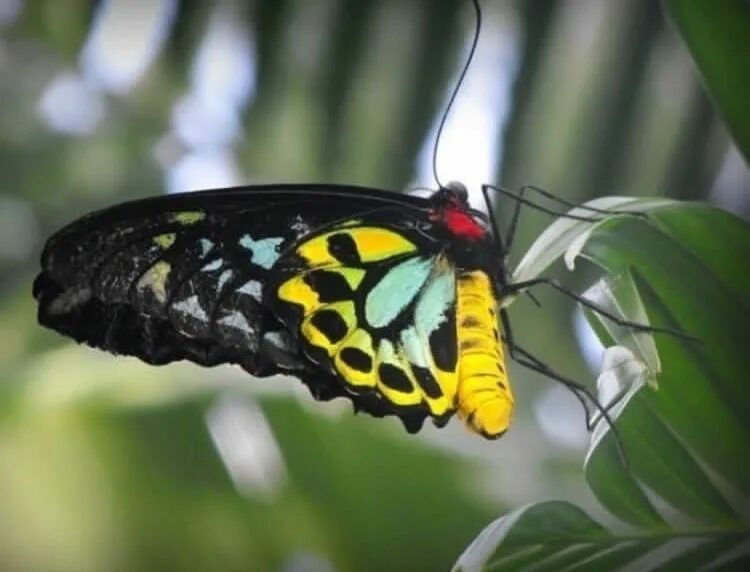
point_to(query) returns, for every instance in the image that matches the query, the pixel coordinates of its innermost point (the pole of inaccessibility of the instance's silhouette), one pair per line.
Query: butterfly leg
(517, 287)
(505, 241)
(510, 235)
(528, 360)
(581, 392)
(521, 199)
(572, 205)
(493, 220)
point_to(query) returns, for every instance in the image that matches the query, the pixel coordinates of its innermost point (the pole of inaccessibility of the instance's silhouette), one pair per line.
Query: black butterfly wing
(182, 277)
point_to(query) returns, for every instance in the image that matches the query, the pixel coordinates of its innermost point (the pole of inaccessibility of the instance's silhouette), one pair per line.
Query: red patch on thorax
(461, 223)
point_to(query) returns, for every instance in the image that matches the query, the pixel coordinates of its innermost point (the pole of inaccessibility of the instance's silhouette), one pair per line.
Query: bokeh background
(108, 464)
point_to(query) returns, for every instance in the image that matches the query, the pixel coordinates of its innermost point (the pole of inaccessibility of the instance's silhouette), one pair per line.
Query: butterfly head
(450, 208)
(459, 192)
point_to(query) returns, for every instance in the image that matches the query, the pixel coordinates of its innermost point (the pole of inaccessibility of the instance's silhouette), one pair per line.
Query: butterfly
(392, 301)
(389, 300)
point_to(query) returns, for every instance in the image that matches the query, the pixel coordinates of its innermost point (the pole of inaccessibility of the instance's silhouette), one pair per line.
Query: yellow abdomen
(485, 400)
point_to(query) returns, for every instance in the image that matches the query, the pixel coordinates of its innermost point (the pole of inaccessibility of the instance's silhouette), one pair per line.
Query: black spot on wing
(357, 359)
(342, 246)
(330, 286)
(427, 381)
(394, 378)
(443, 343)
(330, 324)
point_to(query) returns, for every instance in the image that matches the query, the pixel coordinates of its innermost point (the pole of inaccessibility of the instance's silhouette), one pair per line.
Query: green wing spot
(188, 217)
(330, 324)
(156, 280)
(164, 241)
(396, 290)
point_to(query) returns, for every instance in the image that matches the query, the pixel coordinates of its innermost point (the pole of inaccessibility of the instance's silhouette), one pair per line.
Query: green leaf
(557, 535)
(702, 394)
(526, 532)
(619, 296)
(716, 33)
(658, 459)
(615, 486)
(570, 234)
(697, 414)
(678, 400)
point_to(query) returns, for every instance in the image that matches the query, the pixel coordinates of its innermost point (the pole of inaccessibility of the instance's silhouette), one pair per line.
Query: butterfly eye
(459, 191)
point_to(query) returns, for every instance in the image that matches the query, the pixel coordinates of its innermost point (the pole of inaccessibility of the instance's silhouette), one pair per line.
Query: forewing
(182, 276)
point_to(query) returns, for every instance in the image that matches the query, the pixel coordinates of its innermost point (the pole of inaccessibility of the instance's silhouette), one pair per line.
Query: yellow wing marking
(164, 241)
(297, 291)
(355, 359)
(485, 399)
(447, 380)
(156, 280)
(316, 253)
(375, 244)
(188, 217)
(372, 244)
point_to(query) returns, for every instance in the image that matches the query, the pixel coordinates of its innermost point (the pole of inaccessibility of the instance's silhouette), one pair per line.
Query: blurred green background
(107, 464)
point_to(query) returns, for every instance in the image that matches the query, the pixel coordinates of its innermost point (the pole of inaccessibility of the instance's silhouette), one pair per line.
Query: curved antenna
(455, 91)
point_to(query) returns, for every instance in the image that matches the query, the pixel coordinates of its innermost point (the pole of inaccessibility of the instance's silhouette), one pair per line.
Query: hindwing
(374, 304)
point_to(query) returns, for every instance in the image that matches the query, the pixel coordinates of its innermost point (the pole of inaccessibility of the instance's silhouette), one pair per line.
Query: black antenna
(455, 91)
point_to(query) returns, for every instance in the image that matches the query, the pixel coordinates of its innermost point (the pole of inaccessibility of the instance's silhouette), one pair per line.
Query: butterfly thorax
(467, 233)
(459, 222)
